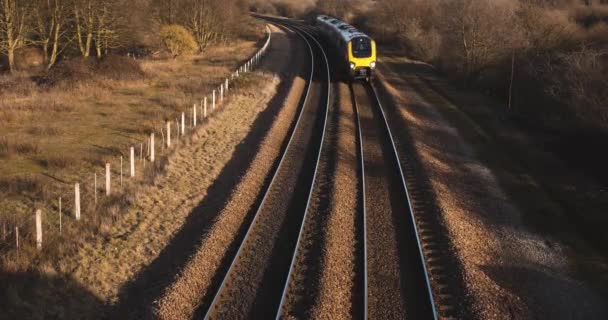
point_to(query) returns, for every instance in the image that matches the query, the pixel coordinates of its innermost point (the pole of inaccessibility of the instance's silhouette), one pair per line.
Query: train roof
(343, 29)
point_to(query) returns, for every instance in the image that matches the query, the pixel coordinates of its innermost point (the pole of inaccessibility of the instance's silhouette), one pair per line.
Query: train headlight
(352, 66)
(372, 64)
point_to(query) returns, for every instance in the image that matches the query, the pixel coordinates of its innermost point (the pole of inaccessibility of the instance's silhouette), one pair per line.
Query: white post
(226, 85)
(152, 155)
(183, 123)
(132, 161)
(168, 134)
(108, 190)
(205, 108)
(121, 171)
(17, 237)
(39, 229)
(213, 101)
(77, 201)
(194, 115)
(222, 92)
(237, 73)
(95, 187)
(60, 226)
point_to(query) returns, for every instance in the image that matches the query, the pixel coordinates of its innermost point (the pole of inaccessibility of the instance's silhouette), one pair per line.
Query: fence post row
(223, 89)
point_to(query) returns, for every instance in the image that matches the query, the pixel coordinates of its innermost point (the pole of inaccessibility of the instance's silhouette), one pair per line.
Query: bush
(178, 40)
(116, 67)
(111, 67)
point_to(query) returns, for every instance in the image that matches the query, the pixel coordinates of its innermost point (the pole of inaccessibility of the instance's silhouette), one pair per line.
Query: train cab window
(362, 47)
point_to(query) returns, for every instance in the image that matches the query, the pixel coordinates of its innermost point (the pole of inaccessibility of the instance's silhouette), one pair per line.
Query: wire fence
(108, 186)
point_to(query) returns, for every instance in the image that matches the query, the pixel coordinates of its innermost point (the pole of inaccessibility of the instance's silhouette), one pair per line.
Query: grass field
(53, 137)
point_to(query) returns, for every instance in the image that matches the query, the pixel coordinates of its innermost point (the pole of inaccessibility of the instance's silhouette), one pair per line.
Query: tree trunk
(11, 59)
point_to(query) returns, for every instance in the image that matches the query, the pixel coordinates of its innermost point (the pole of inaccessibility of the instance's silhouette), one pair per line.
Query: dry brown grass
(141, 237)
(54, 136)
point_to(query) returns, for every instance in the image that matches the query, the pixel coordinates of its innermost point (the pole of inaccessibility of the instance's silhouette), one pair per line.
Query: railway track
(396, 285)
(308, 231)
(398, 282)
(254, 282)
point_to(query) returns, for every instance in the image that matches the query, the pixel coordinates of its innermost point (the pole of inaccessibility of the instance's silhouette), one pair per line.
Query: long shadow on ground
(136, 299)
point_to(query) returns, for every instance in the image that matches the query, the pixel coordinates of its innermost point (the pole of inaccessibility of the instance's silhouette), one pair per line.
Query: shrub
(116, 67)
(178, 40)
(77, 70)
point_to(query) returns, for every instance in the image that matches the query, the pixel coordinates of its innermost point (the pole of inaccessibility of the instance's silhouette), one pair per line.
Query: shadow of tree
(31, 295)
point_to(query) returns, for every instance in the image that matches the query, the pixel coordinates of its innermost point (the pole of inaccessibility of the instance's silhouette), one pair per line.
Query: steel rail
(226, 278)
(300, 233)
(409, 201)
(360, 133)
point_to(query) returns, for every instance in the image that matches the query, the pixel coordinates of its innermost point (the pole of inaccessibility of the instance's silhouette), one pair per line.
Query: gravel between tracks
(323, 279)
(337, 284)
(386, 300)
(193, 284)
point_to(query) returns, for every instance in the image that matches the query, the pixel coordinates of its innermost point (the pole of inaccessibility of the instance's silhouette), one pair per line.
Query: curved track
(254, 282)
(398, 282)
(396, 285)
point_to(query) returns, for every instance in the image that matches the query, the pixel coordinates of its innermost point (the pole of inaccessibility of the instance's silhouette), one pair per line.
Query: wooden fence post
(152, 151)
(108, 180)
(213, 102)
(95, 187)
(3, 230)
(132, 161)
(205, 108)
(194, 115)
(141, 151)
(77, 201)
(39, 229)
(168, 134)
(60, 226)
(17, 237)
(183, 127)
(121, 171)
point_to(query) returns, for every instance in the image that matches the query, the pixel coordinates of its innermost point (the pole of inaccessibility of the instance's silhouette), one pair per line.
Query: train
(356, 50)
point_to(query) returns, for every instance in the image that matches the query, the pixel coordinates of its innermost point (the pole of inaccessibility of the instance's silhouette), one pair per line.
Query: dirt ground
(511, 270)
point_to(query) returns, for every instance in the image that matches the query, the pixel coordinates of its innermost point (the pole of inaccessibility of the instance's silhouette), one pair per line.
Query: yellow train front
(361, 52)
(357, 51)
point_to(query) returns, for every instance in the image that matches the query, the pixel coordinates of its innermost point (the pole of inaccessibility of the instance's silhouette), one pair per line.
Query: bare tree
(13, 28)
(50, 28)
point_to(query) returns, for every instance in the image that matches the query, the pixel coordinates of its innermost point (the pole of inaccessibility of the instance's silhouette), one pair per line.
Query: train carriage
(356, 49)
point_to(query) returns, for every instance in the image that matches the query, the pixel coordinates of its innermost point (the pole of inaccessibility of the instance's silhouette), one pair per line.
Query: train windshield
(362, 47)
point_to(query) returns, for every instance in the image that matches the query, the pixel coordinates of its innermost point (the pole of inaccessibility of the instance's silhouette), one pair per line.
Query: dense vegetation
(41, 32)
(546, 59)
